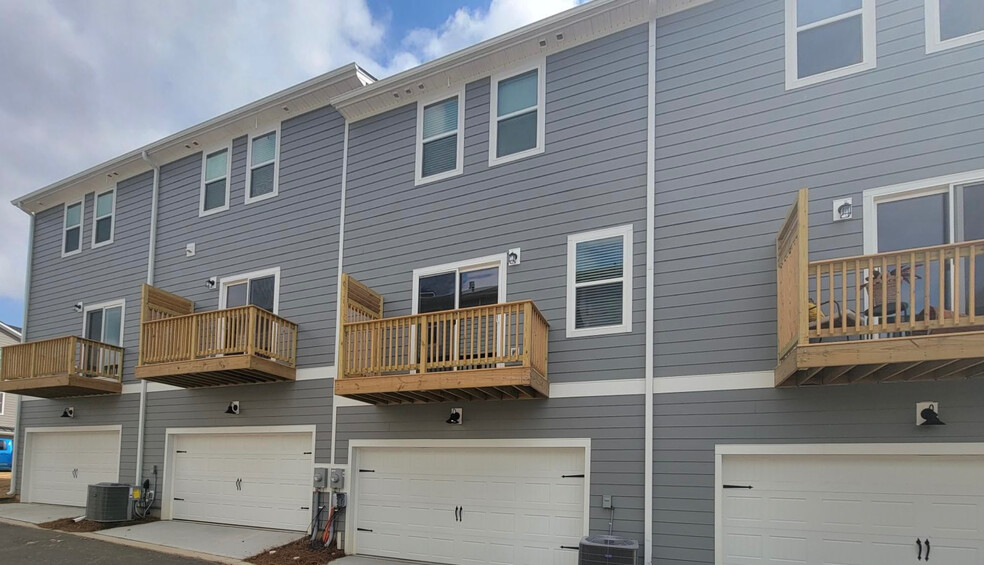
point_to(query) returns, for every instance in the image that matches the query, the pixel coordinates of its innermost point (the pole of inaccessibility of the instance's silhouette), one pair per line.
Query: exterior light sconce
(843, 209)
(455, 418)
(233, 408)
(514, 256)
(68, 412)
(78, 306)
(928, 414)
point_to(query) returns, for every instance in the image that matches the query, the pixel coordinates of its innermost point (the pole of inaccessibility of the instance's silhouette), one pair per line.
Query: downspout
(151, 257)
(27, 299)
(650, 283)
(338, 286)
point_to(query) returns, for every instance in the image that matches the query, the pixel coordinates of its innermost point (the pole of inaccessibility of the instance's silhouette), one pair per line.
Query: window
(439, 141)
(215, 182)
(476, 282)
(263, 153)
(72, 235)
(260, 288)
(104, 322)
(826, 39)
(599, 282)
(517, 115)
(103, 219)
(952, 23)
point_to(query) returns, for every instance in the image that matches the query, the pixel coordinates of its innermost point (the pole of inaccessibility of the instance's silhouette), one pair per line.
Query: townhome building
(704, 274)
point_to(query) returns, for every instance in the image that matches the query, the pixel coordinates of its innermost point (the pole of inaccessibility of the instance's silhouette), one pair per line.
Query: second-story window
(826, 39)
(517, 115)
(440, 143)
(952, 23)
(72, 236)
(599, 282)
(103, 221)
(215, 182)
(261, 182)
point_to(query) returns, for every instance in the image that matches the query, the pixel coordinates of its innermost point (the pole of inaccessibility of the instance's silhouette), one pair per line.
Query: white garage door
(246, 479)
(865, 510)
(61, 465)
(470, 506)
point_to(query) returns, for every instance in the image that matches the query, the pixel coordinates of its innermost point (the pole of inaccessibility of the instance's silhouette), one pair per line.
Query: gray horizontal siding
(90, 411)
(687, 427)
(304, 403)
(615, 425)
(110, 272)
(296, 230)
(592, 175)
(733, 146)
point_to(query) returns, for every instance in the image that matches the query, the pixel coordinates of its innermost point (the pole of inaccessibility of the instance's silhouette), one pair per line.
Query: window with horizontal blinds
(73, 229)
(439, 131)
(215, 188)
(598, 286)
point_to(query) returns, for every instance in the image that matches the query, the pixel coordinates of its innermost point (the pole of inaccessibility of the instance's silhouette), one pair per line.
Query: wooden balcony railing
(64, 366)
(883, 316)
(247, 330)
(466, 346)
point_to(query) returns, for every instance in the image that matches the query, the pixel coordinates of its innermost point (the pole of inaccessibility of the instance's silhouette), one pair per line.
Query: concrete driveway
(225, 541)
(360, 560)
(20, 545)
(38, 513)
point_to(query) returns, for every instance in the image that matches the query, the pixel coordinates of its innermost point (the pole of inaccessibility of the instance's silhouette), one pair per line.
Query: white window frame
(65, 226)
(225, 282)
(96, 217)
(202, 212)
(499, 261)
(869, 43)
(3, 402)
(933, 42)
(102, 306)
(541, 98)
(625, 232)
(418, 178)
(250, 166)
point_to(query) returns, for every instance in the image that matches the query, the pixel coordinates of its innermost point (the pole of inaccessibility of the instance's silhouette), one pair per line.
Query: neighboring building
(9, 335)
(569, 266)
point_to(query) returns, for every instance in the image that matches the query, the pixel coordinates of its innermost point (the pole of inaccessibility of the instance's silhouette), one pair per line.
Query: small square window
(826, 39)
(261, 182)
(599, 282)
(516, 126)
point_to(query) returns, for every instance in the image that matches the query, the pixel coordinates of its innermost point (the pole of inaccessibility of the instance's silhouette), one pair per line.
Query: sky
(83, 82)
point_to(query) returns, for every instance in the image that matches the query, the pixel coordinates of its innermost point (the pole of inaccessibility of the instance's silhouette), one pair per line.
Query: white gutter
(650, 282)
(151, 258)
(27, 300)
(338, 286)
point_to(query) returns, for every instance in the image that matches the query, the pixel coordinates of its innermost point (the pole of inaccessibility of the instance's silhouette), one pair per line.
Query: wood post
(251, 331)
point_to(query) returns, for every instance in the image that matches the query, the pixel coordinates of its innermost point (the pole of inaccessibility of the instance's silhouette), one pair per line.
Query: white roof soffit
(304, 97)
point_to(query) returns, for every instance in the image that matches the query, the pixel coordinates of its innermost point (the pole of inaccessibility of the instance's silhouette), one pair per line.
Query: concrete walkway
(225, 541)
(38, 513)
(362, 560)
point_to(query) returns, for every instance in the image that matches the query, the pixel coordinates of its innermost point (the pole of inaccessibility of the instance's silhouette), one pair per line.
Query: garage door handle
(919, 544)
(927, 549)
(570, 547)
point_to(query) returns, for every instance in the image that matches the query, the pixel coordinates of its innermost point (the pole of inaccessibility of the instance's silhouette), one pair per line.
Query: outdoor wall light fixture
(927, 414)
(78, 306)
(455, 417)
(514, 256)
(233, 408)
(211, 283)
(843, 209)
(68, 412)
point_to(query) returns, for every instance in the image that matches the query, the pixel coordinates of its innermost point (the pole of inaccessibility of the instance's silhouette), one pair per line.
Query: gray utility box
(607, 550)
(109, 502)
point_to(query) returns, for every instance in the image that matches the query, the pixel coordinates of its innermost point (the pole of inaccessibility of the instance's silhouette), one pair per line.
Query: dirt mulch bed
(70, 525)
(297, 553)
(5, 486)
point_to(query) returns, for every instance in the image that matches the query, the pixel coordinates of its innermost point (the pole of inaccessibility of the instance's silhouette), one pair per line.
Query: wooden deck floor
(218, 371)
(61, 386)
(503, 383)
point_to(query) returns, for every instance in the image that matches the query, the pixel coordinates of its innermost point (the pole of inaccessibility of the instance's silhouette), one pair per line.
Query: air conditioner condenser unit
(607, 550)
(110, 502)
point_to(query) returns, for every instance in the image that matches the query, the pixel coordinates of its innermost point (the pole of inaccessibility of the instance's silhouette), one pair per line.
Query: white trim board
(855, 449)
(714, 382)
(167, 483)
(25, 488)
(355, 444)
(585, 389)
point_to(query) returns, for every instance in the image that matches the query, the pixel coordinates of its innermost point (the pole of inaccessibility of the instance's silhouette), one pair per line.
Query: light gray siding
(90, 411)
(615, 425)
(266, 405)
(689, 425)
(592, 175)
(110, 272)
(296, 230)
(733, 146)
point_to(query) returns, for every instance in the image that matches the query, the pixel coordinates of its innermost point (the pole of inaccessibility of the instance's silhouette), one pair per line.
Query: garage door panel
(63, 464)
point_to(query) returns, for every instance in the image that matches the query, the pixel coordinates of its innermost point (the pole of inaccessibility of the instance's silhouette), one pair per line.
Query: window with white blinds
(599, 282)
(439, 138)
(261, 182)
(215, 182)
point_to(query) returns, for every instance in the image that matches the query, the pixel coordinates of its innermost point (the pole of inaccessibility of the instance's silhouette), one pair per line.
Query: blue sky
(84, 82)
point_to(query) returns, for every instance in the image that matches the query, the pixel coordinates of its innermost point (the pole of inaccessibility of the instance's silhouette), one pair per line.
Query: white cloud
(84, 82)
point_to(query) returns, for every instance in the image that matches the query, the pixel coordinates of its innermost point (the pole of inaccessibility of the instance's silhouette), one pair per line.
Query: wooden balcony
(62, 367)
(494, 352)
(235, 346)
(907, 315)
